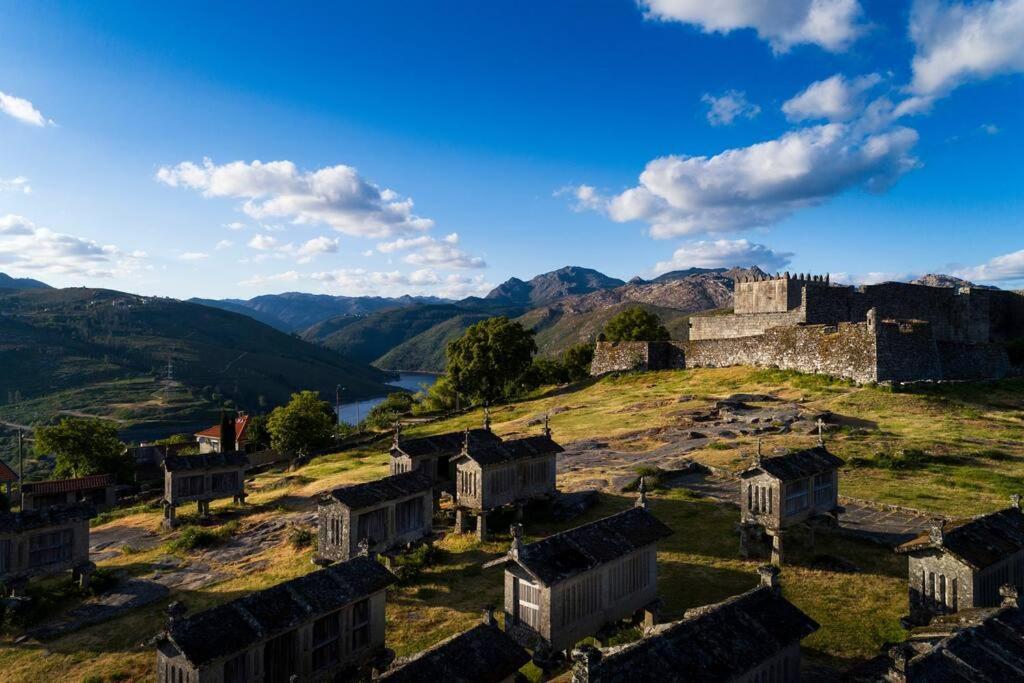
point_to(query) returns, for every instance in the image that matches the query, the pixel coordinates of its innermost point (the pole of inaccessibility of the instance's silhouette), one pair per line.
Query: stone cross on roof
(1015, 500)
(758, 458)
(820, 424)
(517, 539)
(935, 532)
(398, 431)
(547, 425)
(487, 418)
(641, 500)
(465, 440)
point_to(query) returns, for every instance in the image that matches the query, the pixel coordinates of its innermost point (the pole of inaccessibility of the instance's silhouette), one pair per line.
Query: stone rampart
(906, 351)
(732, 326)
(847, 350)
(635, 355)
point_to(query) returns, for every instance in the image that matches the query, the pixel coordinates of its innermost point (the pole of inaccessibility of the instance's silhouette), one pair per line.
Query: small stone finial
(769, 575)
(759, 457)
(1010, 595)
(487, 418)
(586, 660)
(820, 424)
(176, 611)
(489, 619)
(787, 274)
(641, 499)
(364, 547)
(935, 533)
(465, 441)
(398, 432)
(517, 539)
(1015, 501)
(547, 425)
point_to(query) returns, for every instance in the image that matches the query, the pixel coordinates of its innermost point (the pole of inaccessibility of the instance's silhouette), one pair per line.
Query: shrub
(654, 479)
(300, 537)
(408, 566)
(193, 537)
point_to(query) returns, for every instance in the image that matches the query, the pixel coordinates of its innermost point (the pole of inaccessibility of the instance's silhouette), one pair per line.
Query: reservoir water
(410, 381)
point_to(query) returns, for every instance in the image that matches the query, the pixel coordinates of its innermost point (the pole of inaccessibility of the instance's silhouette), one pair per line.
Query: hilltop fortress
(891, 332)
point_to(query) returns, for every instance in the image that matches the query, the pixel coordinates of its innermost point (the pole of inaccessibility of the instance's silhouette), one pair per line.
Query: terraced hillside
(954, 450)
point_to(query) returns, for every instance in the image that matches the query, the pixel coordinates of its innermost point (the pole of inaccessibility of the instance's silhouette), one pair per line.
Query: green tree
(440, 396)
(304, 425)
(635, 324)
(490, 358)
(577, 360)
(384, 414)
(84, 446)
(257, 432)
(546, 371)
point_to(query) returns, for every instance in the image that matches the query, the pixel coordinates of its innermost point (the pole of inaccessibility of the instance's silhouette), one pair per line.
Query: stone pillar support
(481, 526)
(170, 516)
(777, 555)
(461, 521)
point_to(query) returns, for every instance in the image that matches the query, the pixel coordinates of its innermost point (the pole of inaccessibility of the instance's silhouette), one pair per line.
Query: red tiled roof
(93, 481)
(6, 473)
(241, 422)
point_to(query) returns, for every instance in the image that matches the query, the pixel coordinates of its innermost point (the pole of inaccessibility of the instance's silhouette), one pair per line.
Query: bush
(654, 479)
(408, 566)
(635, 324)
(384, 414)
(300, 537)
(193, 537)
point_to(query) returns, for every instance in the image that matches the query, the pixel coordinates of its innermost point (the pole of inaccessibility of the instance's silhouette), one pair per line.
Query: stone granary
(36, 543)
(386, 513)
(784, 491)
(753, 637)
(318, 627)
(232, 434)
(891, 332)
(490, 476)
(202, 478)
(961, 565)
(974, 645)
(575, 583)
(435, 454)
(483, 654)
(97, 489)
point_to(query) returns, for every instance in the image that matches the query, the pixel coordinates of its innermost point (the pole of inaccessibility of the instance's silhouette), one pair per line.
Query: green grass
(954, 450)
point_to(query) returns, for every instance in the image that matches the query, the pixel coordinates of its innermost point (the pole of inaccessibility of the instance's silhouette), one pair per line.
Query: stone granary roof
(797, 465)
(715, 643)
(235, 625)
(513, 449)
(49, 516)
(93, 481)
(990, 650)
(206, 461)
(449, 443)
(980, 542)
(566, 554)
(483, 654)
(381, 490)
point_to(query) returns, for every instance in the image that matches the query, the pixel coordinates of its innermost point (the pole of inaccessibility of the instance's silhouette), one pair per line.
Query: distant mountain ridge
(939, 280)
(8, 282)
(552, 286)
(295, 311)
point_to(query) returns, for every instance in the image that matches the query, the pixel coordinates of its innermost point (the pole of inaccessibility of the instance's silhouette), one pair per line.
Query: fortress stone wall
(893, 332)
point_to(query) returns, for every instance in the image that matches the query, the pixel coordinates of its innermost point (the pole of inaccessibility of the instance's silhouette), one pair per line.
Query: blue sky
(188, 151)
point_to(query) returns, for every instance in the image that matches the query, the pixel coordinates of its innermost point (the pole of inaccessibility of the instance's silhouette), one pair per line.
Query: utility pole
(21, 470)
(337, 402)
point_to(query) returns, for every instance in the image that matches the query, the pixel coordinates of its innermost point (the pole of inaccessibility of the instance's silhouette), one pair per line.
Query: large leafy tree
(577, 360)
(84, 446)
(635, 324)
(490, 358)
(304, 425)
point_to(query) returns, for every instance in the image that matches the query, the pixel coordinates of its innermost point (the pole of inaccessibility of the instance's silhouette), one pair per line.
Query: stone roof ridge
(248, 617)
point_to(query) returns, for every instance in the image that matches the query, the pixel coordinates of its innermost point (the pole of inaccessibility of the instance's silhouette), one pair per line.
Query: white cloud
(761, 184)
(22, 110)
(316, 246)
(725, 254)
(835, 99)
(990, 128)
(956, 43)
(727, 107)
(224, 244)
(1006, 267)
(336, 195)
(19, 184)
(29, 249)
(586, 197)
(831, 24)
(194, 256)
(236, 226)
(428, 251)
(359, 282)
(263, 242)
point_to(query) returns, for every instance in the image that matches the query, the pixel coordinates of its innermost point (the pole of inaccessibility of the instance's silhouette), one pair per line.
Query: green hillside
(426, 351)
(67, 350)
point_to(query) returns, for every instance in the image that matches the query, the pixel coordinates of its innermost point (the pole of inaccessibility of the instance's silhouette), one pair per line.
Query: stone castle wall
(635, 355)
(906, 351)
(847, 350)
(732, 326)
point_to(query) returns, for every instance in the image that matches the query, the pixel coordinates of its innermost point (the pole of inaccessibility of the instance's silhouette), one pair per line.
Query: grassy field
(954, 450)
